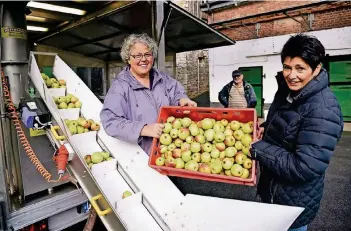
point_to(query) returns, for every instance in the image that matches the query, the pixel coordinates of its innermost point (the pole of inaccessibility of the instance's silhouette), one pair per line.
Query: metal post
(161, 60)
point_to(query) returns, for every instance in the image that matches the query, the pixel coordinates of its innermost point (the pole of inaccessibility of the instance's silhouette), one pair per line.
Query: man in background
(237, 93)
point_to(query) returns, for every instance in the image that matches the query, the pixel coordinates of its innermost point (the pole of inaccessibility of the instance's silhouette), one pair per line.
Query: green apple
(165, 139)
(228, 132)
(240, 158)
(194, 130)
(215, 153)
(62, 105)
(177, 123)
(174, 133)
(186, 155)
(209, 134)
(234, 125)
(200, 138)
(205, 157)
(196, 157)
(237, 170)
(192, 165)
(219, 137)
(185, 146)
(207, 147)
(230, 151)
(189, 139)
(246, 140)
(160, 161)
(206, 124)
(170, 119)
(246, 173)
(195, 147)
(178, 142)
(229, 141)
(220, 146)
(170, 162)
(247, 163)
(218, 127)
(224, 122)
(183, 133)
(177, 153)
(227, 163)
(238, 145)
(228, 172)
(167, 128)
(179, 163)
(163, 148)
(216, 166)
(171, 147)
(126, 194)
(247, 128)
(246, 150)
(186, 122)
(203, 167)
(238, 134)
(78, 104)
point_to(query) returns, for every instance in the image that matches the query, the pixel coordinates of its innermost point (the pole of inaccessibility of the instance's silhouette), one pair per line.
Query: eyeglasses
(140, 56)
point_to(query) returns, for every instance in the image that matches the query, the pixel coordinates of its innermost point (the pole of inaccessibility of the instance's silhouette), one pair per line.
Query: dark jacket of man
(250, 95)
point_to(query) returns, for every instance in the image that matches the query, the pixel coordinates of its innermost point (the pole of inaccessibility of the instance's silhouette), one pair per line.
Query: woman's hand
(152, 130)
(187, 102)
(260, 133)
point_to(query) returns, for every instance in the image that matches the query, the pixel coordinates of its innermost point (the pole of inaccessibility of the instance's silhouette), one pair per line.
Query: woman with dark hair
(303, 126)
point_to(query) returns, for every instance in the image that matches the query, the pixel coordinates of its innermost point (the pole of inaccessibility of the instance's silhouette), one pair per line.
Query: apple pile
(208, 146)
(96, 158)
(68, 101)
(81, 125)
(53, 82)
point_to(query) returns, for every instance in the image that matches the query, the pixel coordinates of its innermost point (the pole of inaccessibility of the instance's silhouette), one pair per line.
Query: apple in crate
(160, 161)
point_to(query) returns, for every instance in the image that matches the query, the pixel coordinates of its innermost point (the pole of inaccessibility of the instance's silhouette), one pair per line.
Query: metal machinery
(34, 139)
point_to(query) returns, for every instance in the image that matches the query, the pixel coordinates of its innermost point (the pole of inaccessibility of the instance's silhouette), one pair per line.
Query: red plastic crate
(197, 114)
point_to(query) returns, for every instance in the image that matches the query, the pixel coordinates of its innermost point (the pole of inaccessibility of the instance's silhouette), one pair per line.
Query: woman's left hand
(187, 102)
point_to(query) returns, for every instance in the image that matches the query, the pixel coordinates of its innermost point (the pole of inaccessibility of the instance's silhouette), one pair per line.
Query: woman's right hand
(152, 130)
(260, 133)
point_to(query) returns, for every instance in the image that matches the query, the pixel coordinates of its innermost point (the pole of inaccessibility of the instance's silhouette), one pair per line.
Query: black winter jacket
(250, 96)
(297, 145)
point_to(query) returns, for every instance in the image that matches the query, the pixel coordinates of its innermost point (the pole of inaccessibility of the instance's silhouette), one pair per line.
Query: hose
(21, 135)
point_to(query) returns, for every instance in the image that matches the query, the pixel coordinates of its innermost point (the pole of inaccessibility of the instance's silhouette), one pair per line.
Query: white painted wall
(266, 52)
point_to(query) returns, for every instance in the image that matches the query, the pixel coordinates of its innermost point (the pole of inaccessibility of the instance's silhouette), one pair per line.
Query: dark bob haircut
(309, 48)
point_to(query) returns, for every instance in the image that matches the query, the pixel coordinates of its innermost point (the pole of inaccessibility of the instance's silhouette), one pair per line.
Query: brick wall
(327, 16)
(192, 71)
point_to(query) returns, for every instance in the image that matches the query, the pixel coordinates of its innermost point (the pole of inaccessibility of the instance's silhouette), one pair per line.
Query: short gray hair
(137, 38)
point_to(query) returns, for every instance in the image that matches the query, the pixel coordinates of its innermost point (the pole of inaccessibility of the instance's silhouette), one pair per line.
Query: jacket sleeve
(222, 96)
(253, 99)
(175, 91)
(113, 116)
(316, 141)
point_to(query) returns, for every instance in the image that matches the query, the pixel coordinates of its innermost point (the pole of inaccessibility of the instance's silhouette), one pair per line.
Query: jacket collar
(134, 83)
(316, 85)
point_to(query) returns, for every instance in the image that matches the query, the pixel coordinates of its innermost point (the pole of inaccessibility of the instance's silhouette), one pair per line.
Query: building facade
(261, 29)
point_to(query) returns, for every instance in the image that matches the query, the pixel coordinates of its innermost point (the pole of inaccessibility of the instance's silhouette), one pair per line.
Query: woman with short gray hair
(132, 104)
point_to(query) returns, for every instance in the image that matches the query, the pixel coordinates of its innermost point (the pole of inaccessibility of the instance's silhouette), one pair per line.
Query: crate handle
(186, 112)
(207, 112)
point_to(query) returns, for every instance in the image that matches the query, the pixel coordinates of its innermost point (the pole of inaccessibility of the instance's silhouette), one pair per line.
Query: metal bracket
(309, 25)
(256, 36)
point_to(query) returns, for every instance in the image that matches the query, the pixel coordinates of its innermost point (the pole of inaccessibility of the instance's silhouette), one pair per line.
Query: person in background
(133, 102)
(303, 126)
(237, 93)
